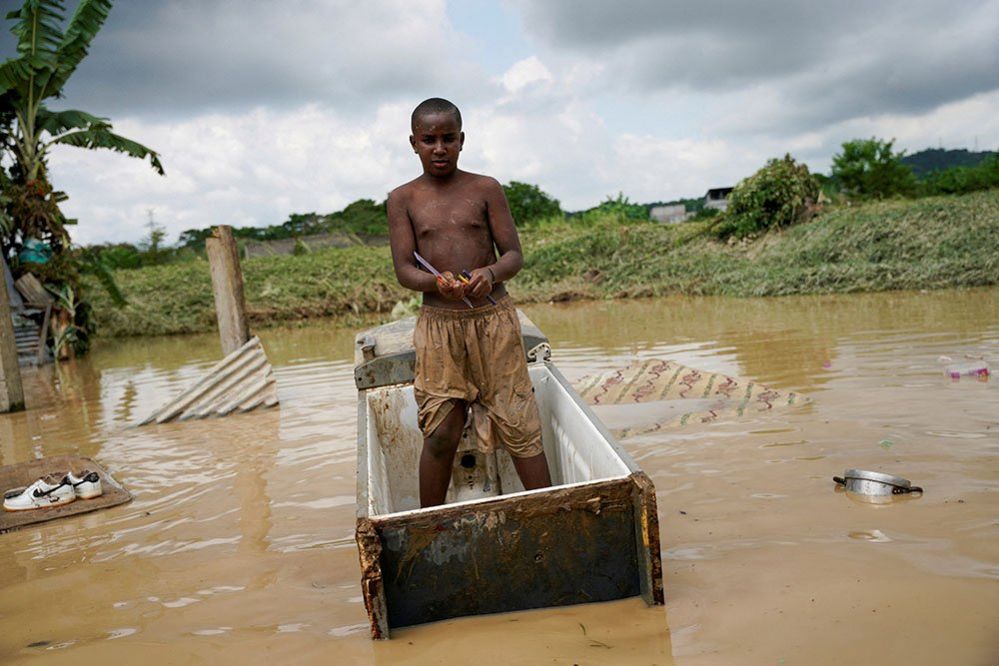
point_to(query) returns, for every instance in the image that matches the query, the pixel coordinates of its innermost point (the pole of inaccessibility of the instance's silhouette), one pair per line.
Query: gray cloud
(182, 57)
(809, 63)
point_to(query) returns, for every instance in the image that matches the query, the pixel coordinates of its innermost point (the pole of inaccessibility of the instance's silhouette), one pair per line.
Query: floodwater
(238, 547)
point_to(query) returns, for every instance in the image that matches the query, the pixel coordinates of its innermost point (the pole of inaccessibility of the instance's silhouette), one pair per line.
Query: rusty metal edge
(553, 500)
(369, 549)
(647, 539)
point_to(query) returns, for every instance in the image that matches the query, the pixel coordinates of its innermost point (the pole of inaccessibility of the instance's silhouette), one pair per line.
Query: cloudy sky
(261, 109)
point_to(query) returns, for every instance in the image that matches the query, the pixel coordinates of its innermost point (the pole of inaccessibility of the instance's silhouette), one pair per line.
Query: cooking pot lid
(876, 476)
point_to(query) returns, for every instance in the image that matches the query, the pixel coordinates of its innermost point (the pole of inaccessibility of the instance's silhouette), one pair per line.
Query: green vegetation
(49, 49)
(870, 168)
(926, 243)
(47, 55)
(780, 194)
(529, 204)
(963, 179)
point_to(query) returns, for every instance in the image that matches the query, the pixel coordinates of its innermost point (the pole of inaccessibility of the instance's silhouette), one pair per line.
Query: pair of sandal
(54, 490)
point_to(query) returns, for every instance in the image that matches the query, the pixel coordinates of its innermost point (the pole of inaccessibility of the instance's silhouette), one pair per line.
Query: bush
(529, 204)
(869, 168)
(780, 194)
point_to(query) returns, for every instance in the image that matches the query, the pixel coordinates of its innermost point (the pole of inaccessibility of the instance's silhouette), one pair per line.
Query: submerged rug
(660, 380)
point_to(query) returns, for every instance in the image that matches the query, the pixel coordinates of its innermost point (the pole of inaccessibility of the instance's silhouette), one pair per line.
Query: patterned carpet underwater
(712, 395)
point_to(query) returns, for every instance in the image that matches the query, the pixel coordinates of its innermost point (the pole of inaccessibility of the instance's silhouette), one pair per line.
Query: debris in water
(885, 444)
(978, 369)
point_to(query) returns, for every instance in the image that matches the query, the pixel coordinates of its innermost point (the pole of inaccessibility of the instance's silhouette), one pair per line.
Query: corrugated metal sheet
(242, 381)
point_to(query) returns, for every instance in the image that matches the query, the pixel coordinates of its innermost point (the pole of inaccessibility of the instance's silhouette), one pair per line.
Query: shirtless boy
(466, 358)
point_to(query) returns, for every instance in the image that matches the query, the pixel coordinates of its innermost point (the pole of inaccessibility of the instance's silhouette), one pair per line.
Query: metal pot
(863, 482)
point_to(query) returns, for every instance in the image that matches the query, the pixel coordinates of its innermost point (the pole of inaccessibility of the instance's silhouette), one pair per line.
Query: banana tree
(47, 55)
(49, 49)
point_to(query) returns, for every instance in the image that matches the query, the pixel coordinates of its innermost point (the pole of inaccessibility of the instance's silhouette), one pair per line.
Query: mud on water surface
(239, 543)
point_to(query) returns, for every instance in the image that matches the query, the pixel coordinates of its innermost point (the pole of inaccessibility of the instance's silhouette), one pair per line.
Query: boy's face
(437, 139)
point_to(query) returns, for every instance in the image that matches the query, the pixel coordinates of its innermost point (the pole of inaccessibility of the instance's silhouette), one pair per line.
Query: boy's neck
(443, 180)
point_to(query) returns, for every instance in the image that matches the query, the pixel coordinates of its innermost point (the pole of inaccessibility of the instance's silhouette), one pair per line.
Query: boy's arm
(403, 243)
(504, 234)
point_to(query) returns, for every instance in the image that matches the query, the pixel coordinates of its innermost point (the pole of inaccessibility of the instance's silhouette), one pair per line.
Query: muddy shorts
(477, 356)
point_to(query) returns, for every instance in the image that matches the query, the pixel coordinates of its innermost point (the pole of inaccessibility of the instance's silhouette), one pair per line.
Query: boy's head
(437, 137)
(435, 106)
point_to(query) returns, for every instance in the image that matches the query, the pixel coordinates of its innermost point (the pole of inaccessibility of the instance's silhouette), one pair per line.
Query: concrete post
(11, 391)
(227, 285)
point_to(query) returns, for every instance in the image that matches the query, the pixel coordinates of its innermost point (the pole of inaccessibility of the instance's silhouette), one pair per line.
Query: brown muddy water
(238, 547)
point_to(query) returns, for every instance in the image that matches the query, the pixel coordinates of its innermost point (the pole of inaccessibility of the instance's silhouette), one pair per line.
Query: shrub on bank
(780, 194)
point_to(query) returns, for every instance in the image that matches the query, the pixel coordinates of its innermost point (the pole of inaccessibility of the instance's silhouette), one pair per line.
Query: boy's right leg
(437, 457)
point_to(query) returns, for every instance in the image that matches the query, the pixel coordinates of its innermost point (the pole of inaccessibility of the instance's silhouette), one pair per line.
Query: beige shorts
(477, 356)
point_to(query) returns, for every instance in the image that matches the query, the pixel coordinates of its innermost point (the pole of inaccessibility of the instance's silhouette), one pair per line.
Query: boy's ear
(461, 140)
(412, 142)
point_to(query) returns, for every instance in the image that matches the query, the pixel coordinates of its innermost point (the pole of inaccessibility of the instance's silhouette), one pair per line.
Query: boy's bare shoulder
(404, 191)
(483, 186)
(483, 181)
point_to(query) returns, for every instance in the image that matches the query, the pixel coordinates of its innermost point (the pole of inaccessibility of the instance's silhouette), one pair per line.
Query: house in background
(717, 198)
(669, 214)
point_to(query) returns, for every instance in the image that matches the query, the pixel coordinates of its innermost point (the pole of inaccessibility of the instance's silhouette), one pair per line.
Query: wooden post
(11, 391)
(227, 285)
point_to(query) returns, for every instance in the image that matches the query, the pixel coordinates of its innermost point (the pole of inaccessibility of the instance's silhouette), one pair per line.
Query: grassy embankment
(928, 243)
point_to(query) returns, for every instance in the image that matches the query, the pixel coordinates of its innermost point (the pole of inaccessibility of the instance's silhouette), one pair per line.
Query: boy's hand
(449, 287)
(480, 284)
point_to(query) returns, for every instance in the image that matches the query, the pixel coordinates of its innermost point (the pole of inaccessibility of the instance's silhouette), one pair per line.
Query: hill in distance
(937, 159)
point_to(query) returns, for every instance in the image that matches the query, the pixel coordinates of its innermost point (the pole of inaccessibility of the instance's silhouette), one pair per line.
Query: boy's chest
(435, 216)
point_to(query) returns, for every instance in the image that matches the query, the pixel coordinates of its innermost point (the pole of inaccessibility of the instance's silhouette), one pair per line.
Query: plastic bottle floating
(977, 369)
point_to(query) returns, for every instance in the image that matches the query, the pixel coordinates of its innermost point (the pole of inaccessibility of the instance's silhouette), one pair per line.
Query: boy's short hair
(433, 106)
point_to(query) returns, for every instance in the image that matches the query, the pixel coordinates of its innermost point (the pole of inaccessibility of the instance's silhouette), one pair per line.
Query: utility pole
(11, 391)
(227, 286)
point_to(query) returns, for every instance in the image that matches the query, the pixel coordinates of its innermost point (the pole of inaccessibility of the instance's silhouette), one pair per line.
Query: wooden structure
(31, 336)
(494, 547)
(227, 286)
(242, 381)
(717, 198)
(11, 390)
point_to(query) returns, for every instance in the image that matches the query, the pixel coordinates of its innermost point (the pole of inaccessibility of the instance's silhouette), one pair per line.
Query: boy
(466, 358)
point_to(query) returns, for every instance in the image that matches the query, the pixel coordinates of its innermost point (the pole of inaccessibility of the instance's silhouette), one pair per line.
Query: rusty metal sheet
(650, 563)
(563, 546)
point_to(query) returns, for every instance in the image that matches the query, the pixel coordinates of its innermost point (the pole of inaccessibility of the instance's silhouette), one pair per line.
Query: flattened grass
(931, 243)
